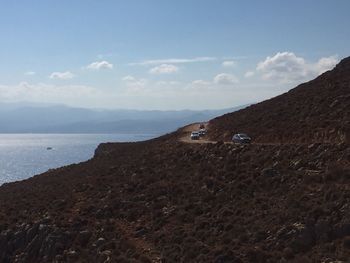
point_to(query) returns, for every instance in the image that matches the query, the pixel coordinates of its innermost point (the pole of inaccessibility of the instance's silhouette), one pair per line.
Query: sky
(164, 54)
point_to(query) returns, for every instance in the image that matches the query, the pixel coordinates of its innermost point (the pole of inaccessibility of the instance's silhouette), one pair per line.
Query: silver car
(202, 132)
(241, 138)
(195, 135)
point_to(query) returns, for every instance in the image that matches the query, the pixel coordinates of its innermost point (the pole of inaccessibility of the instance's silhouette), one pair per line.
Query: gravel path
(186, 137)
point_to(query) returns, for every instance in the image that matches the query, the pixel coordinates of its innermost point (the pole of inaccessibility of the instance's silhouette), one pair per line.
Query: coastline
(25, 155)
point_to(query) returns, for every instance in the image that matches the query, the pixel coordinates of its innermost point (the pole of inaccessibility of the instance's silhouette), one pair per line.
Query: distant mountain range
(43, 118)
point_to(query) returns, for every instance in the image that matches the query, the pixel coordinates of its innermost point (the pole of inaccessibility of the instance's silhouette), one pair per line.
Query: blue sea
(25, 155)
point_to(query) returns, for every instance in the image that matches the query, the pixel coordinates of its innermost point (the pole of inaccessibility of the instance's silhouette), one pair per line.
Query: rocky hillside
(316, 111)
(168, 201)
(164, 201)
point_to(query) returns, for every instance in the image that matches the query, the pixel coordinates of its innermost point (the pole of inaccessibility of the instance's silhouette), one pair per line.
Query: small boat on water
(49, 148)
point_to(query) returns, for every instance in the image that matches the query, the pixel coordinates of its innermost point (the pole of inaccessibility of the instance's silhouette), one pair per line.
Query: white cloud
(225, 79)
(61, 75)
(164, 69)
(228, 63)
(200, 82)
(326, 63)
(287, 67)
(173, 61)
(67, 94)
(134, 84)
(149, 89)
(128, 78)
(30, 73)
(167, 83)
(100, 65)
(249, 74)
(283, 66)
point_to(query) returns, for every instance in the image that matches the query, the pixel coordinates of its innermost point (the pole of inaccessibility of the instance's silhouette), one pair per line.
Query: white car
(202, 132)
(195, 135)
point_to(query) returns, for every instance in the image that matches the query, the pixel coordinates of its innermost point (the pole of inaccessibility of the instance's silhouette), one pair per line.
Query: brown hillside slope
(316, 111)
(162, 201)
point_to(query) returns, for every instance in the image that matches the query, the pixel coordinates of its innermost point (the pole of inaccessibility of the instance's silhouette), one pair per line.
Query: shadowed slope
(316, 111)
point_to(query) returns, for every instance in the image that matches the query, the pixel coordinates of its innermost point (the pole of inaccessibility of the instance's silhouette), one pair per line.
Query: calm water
(24, 155)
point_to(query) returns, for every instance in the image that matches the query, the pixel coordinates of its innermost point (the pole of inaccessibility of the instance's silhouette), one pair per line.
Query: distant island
(46, 118)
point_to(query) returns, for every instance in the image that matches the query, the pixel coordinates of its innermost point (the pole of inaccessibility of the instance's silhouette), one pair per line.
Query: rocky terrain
(284, 199)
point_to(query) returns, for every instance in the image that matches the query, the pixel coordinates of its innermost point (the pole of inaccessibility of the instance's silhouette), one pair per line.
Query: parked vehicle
(195, 135)
(241, 138)
(202, 132)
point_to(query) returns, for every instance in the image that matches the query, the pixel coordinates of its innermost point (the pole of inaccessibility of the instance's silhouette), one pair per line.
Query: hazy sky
(166, 54)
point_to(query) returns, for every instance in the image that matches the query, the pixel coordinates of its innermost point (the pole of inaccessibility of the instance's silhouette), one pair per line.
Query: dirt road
(186, 136)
